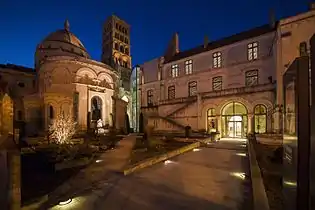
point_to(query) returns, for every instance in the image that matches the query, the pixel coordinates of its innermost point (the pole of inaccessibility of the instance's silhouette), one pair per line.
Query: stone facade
(65, 81)
(181, 88)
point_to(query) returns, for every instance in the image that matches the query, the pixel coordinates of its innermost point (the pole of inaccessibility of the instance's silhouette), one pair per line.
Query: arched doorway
(260, 114)
(234, 120)
(96, 108)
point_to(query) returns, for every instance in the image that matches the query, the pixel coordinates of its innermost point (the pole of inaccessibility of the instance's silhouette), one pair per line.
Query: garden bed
(271, 165)
(39, 176)
(157, 146)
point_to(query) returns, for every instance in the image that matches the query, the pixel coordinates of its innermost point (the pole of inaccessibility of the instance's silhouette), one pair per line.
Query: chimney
(272, 18)
(205, 42)
(312, 6)
(173, 46)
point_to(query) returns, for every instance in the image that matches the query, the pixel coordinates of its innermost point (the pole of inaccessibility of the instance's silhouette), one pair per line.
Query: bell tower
(116, 43)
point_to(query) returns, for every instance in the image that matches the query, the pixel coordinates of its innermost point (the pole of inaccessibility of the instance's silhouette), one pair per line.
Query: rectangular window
(175, 70)
(192, 88)
(252, 51)
(188, 67)
(251, 78)
(150, 97)
(217, 83)
(171, 92)
(217, 60)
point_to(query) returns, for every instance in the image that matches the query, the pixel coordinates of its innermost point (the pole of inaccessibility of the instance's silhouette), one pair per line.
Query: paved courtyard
(211, 178)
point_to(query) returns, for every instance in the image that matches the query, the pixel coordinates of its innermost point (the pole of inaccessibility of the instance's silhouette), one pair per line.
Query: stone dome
(58, 43)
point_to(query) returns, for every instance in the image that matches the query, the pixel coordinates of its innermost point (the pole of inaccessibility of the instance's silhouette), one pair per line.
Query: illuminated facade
(66, 80)
(227, 86)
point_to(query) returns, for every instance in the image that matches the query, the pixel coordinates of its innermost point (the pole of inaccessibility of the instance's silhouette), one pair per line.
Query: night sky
(25, 23)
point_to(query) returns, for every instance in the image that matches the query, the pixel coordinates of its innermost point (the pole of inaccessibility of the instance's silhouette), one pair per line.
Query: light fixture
(239, 175)
(62, 203)
(196, 149)
(98, 161)
(241, 154)
(290, 183)
(167, 162)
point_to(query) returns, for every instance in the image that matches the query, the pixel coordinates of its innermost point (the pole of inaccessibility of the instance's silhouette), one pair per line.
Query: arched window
(211, 121)
(51, 112)
(116, 46)
(121, 49)
(127, 50)
(260, 113)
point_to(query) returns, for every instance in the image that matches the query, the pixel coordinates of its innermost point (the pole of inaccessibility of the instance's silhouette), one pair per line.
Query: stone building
(67, 81)
(228, 86)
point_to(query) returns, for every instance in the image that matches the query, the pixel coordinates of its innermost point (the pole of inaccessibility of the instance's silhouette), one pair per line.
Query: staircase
(180, 108)
(170, 120)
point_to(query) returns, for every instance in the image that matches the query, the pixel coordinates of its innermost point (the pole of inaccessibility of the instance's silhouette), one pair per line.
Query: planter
(72, 163)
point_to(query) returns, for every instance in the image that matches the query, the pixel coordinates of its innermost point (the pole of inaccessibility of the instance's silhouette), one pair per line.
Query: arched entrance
(234, 120)
(96, 108)
(260, 113)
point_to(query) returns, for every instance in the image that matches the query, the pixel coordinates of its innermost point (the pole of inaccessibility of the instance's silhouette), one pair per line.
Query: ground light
(290, 183)
(168, 162)
(239, 175)
(196, 149)
(98, 161)
(62, 203)
(241, 154)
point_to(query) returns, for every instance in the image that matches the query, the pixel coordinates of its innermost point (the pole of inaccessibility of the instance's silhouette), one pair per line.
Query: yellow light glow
(290, 183)
(168, 162)
(239, 175)
(98, 161)
(62, 203)
(234, 139)
(241, 154)
(196, 150)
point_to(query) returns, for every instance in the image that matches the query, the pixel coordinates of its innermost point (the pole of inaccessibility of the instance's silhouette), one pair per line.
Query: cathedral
(65, 80)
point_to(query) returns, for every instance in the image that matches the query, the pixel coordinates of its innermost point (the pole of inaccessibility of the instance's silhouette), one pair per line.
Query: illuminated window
(188, 67)
(217, 60)
(251, 78)
(192, 88)
(171, 92)
(150, 97)
(217, 83)
(211, 120)
(175, 70)
(260, 113)
(252, 51)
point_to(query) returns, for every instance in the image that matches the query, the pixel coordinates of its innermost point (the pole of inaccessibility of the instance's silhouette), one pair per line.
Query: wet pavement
(215, 177)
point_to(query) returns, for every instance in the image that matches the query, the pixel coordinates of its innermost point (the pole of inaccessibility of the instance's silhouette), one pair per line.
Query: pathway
(211, 178)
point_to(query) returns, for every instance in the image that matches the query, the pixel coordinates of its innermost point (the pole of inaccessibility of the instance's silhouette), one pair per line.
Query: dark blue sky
(24, 23)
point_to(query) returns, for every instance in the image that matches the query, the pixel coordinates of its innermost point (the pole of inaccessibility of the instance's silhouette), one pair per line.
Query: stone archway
(234, 120)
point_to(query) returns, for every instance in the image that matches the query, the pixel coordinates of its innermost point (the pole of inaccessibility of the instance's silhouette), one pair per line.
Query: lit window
(188, 67)
(252, 51)
(150, 97)
(217, 83)
(251, 78)
(192, 88)
(175, 70)
(217, 60)
(171, 92)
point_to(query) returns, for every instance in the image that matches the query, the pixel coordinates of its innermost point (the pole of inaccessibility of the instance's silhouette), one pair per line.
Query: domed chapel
(65, 80)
